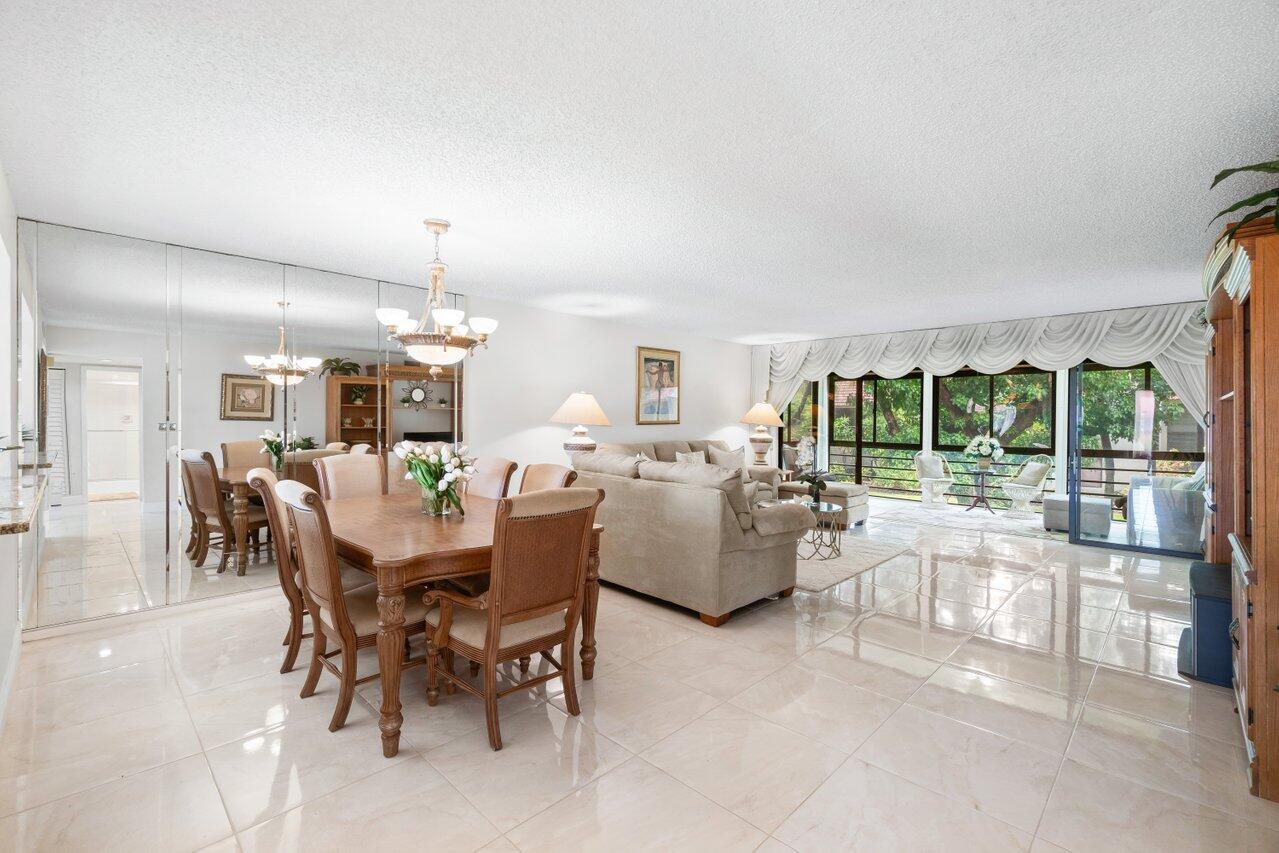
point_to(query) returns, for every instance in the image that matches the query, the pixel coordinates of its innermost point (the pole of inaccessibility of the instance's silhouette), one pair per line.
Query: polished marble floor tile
(1055, 672)
(880, 669)
(1092, 810)
(545, 756)
(750, 766)
(636, 806)
(1032, 716)
(914, 636)
(993, 774)
(172, 807)
(405, 805)
(825, 709)
(1199, 708)
(862, 807)
(717, 667)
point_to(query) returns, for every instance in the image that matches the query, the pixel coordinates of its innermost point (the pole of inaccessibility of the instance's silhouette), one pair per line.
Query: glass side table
(822, 541)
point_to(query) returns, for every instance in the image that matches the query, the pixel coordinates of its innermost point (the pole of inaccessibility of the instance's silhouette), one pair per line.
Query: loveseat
(691, 534)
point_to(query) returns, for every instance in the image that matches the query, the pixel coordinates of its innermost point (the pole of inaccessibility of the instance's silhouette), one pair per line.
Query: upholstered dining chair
(358, 449)
(346, 618)
(541, 541)
(492, 477)
(336, 445)
(211, 511)
(242, 454)
(264, 481)
(350, 475)
(543, 475)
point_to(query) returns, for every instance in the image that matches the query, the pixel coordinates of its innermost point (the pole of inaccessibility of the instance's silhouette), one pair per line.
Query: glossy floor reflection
(981, 691)
(107, 558)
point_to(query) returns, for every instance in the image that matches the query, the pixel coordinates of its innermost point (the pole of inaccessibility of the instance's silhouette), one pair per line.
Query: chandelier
(440, 337)
(282, 368)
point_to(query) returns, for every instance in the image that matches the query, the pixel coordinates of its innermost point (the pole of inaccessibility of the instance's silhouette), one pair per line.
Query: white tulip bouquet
(273, 443)
(439, 471)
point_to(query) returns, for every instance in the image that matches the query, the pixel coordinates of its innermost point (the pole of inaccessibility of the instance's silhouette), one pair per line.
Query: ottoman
(854, 498)
(1094, 514)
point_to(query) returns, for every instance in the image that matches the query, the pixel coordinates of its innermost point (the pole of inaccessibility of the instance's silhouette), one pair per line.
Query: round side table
(822, 541)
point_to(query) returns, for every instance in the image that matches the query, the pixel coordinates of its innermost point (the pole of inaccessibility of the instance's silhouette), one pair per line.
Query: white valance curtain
(1173, 337)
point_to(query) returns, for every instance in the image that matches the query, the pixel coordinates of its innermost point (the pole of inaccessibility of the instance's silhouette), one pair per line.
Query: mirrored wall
(147, 347)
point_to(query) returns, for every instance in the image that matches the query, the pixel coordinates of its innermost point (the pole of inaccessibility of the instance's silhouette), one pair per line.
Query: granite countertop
(19, 502)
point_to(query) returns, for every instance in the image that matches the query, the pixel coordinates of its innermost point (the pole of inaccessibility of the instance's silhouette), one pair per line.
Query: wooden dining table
(235, 481)
(389, 537)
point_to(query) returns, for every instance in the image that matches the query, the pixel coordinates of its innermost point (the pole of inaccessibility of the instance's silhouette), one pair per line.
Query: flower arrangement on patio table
(438, 472)
(273, 443)
(984, 449)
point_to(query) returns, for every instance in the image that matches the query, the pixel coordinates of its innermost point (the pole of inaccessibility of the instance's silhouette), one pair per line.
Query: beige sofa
(691, 534)
(768, 477)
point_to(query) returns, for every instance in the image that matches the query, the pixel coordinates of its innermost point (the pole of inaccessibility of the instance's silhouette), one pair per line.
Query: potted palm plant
(1265, 202)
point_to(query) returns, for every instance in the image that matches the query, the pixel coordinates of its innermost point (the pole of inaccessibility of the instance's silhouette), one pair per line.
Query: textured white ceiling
(754, 171)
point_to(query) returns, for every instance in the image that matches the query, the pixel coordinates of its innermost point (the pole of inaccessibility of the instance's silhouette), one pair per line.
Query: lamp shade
(762, 414)
(580, 408)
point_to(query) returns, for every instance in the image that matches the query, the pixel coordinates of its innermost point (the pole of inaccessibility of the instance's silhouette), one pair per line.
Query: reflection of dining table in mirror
(234, 480)
(389, 537)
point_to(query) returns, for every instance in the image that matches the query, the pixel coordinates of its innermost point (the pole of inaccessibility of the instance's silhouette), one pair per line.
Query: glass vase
(435, 504)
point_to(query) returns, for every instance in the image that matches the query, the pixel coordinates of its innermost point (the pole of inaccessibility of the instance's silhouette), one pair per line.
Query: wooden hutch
(1242, 277)
(345, 418)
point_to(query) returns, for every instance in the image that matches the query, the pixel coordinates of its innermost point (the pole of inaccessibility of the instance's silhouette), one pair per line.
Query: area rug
(857, 555)
(958, 518)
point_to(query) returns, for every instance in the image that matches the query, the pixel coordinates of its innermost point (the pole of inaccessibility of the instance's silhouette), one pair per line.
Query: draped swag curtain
(1172, 337)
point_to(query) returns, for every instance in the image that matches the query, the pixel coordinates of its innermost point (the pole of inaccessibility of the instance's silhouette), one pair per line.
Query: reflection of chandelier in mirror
(282, 368)
(440, 337)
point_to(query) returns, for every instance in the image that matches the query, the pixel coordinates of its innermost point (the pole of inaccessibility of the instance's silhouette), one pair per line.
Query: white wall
(537, 358)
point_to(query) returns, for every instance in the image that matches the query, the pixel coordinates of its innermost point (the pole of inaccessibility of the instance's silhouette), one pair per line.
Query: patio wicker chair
(1027, 484)
(935, 477)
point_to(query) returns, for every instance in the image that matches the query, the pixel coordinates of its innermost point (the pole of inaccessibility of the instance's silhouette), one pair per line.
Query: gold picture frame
(246, 398)
(657, 384)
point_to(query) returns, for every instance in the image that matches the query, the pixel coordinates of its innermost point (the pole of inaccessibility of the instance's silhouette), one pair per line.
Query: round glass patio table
(823, 541)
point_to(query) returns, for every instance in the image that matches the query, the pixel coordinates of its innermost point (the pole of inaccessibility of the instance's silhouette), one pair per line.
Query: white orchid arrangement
(805, 453)
(437, 471)
(272, 443)
(983, 446)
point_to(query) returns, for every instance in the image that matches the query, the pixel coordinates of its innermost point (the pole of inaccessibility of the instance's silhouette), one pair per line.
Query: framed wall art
(247, 398)
(657, 379)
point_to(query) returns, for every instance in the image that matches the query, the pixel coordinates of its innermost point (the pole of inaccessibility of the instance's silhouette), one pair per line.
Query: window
(876, 426)
(800, 416)
(1015, 407)
(1112, 424)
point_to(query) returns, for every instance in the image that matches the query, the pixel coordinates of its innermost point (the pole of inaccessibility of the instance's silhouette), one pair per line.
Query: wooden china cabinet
(1242, 277)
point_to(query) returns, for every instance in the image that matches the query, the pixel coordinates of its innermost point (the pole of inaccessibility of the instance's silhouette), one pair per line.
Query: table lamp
(763, 416)
(581, 409)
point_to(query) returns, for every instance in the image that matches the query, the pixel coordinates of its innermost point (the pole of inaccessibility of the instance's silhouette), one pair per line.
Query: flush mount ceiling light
(440, 337)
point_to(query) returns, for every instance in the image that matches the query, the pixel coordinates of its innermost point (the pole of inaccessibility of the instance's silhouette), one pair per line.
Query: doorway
(112, 418)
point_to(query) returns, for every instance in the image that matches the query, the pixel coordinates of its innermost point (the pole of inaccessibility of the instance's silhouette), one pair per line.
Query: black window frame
(857, 443)
(1156, 455)
(787, 434)
(1021, 369)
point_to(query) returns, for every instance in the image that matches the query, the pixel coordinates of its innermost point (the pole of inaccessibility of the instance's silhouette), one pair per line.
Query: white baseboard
(234, 600)
(10, 672)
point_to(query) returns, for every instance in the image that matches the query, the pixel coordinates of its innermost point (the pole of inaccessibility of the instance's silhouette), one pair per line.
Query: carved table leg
(390, 655)
(589, 605)
(240, 522)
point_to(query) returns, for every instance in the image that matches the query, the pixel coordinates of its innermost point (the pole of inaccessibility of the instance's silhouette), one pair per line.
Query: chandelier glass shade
(281, 368)
(440, 338)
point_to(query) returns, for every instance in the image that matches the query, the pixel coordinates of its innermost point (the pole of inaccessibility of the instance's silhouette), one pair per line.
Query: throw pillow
(727, 458)
(1031, 474)
(930, 468)
(697, 457)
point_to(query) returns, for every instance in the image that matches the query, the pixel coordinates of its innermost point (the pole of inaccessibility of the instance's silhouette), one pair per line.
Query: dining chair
(357, 449)
(544, 475)
(541, 541)
(492, 477)
(346, 618)
(336, 445)
(211, 511)
(350, 475)
(242, 454)
(264, 481)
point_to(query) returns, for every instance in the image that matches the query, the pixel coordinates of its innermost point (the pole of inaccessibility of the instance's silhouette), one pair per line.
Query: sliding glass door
(876, 428)
(1136, 462)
